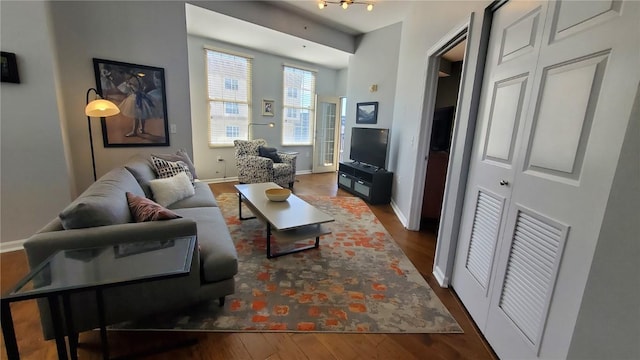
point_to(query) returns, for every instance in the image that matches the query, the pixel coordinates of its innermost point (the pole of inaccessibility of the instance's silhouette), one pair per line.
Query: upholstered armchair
(253, 168)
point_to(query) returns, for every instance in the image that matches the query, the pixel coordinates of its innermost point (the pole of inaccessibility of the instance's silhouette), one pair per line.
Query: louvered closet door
(583, 90)
(511, 59)
(578, 95)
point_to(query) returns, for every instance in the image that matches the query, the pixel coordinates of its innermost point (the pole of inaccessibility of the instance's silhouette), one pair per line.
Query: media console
(368, 182)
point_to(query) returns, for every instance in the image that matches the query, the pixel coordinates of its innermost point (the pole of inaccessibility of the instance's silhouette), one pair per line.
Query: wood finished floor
(418, 246)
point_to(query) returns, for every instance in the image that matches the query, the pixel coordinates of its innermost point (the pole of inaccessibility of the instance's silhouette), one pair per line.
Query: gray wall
(371, 66)
(35, 183)
(608, 325)
(139, 32)
(266, 84)
(426, 24)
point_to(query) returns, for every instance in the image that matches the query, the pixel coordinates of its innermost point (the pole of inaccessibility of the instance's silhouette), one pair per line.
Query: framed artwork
(9, 67)
(139, 92)
(268, 107)
(367, 113)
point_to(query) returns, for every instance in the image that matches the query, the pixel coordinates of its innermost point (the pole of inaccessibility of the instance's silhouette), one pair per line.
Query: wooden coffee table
(289, 221)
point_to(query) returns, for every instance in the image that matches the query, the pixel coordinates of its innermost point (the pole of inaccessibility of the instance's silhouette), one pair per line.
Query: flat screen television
(369, 146)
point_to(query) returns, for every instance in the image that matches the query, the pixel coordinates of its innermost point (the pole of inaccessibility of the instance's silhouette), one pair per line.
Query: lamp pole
(98, 107)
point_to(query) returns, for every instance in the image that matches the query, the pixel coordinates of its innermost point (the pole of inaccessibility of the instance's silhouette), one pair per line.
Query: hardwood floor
(418, 246)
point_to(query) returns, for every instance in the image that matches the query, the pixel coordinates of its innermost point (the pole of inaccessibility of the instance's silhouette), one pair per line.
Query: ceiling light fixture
(344, 4)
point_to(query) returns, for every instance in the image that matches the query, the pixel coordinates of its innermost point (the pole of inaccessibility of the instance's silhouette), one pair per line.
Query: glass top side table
(68, 271)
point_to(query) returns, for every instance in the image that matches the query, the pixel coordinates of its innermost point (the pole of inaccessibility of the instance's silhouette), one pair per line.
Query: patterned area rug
(359, 280)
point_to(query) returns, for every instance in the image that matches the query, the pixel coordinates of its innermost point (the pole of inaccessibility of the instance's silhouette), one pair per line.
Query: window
(299, 92)
(231, 84)
(233, 132)
(229, 93)
(231, 108)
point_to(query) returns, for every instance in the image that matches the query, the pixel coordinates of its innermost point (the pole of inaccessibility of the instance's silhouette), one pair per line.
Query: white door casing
(568, 138)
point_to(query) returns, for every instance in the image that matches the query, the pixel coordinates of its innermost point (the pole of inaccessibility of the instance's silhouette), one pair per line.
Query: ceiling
(354, 21)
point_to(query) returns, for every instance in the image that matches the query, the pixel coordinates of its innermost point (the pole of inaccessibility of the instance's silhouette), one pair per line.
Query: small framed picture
(9, 67)
(268, 107)
(367, 113)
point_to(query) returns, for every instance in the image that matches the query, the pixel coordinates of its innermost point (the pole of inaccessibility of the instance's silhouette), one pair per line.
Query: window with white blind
(299, 93)
(229, 92)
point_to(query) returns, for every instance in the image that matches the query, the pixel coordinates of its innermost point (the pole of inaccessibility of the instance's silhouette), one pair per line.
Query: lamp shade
(101, 108)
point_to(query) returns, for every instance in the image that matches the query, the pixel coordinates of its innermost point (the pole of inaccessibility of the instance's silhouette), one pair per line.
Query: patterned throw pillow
(180, 155)
(143, 209)
(166, 169)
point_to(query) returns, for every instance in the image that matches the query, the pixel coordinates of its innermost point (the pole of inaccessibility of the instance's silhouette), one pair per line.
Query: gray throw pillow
(103, 203)
(269, 152)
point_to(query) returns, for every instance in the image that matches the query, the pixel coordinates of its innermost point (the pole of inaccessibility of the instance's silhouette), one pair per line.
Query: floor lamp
(98, 107)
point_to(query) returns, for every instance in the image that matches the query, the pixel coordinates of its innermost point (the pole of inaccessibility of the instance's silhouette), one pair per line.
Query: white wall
(266, 84)
(608, 324)
(138, 32)
(35, 183)
(375, 62)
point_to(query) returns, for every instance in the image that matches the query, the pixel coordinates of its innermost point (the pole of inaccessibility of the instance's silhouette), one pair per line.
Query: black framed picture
(139, 93)
(9, 67)
(367, 113)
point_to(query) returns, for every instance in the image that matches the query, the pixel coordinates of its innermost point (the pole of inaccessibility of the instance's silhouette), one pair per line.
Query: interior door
(556, 101)
(325, 149)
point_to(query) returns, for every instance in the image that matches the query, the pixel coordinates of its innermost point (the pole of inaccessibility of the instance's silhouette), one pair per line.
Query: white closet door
(516, 37)
(570, 134)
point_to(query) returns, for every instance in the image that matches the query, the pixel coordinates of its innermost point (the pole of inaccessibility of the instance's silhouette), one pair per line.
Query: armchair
(253, 168)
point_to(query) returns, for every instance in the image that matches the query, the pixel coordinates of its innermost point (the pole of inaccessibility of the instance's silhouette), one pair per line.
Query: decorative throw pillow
(269, 152)
(169, 190)
(143, 209)
(166, 169)
(180, 155)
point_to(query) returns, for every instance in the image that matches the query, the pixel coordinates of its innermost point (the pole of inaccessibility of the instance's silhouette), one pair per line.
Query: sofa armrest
(42, 245)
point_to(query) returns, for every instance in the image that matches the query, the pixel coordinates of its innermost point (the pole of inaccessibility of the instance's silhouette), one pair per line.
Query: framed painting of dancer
(139, 92)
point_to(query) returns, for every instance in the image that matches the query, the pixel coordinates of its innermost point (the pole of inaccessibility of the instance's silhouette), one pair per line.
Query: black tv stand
(371, 183)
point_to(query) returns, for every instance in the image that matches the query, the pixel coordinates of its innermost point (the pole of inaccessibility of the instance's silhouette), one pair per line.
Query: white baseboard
(219, 180)
(12, 245)
(399, 214)
(443, 281)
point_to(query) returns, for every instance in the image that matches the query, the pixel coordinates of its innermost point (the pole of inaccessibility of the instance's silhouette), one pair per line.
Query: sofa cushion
(218, 256)
(142, 169)
(103, 203)
(166, 169)
(169, 190)
(143, 209)
(203, 197)
(180, 155)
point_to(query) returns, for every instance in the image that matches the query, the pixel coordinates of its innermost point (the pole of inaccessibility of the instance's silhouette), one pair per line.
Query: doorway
(326, 139)
(446, 98)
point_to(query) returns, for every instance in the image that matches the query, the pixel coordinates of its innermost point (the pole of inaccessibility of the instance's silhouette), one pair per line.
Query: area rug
(359, 280)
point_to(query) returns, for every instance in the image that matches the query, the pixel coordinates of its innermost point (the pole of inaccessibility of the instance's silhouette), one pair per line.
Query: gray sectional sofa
(100, 216)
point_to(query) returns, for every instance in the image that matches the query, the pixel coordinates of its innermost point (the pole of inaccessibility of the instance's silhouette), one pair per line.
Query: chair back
(248, 147)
